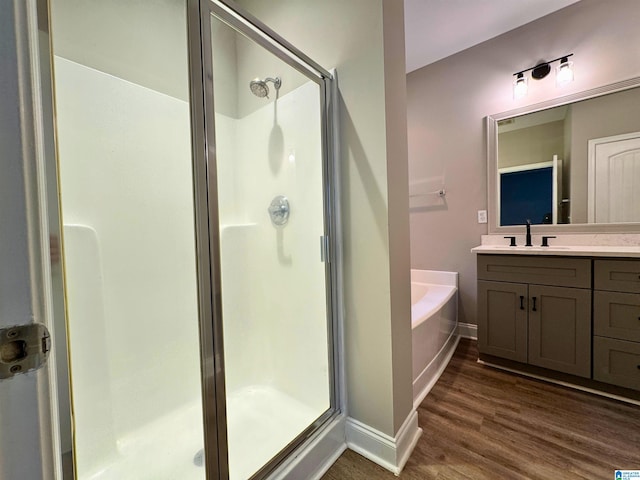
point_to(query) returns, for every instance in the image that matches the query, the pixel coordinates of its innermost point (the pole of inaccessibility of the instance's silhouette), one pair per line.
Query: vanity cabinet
(536, 310)
(503, 319)
(616, 322)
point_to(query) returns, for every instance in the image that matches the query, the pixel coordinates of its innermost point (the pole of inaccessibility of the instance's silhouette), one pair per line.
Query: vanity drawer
(616, 315)
(617, 275)
(616, 362)
(558, 271)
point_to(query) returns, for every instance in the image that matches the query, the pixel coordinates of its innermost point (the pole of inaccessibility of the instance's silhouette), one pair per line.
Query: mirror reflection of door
(614, 179)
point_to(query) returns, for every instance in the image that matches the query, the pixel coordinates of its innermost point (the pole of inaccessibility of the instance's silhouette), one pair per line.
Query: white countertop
(561, 250)
(579, 245)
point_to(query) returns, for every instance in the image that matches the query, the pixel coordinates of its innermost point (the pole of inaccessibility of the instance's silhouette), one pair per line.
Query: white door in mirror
(614, 179)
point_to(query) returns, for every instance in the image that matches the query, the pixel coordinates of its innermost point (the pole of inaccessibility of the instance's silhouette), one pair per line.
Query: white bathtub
(434, 320)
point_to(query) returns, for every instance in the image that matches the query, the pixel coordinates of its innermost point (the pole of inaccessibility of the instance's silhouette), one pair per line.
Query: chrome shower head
(259, 87)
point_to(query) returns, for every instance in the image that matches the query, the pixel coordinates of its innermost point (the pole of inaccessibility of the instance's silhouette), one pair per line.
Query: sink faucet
(528, 238)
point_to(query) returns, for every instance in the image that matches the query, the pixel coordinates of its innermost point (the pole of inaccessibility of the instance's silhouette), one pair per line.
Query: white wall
(448, 100)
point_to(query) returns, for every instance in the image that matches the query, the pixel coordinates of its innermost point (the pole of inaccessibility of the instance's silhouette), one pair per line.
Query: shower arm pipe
(235, 15)
(277, 83)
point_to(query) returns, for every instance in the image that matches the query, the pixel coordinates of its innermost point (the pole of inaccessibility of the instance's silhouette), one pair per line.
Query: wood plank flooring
(482, 423)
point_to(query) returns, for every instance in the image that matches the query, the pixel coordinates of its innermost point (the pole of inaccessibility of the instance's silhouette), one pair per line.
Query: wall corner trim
(468, 330)
(391, 453)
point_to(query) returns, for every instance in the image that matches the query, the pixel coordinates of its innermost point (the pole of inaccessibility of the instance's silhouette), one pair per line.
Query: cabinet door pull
(522, 303)
(533, 309)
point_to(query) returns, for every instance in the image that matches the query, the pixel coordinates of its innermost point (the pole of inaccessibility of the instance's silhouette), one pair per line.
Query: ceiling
(435, 29)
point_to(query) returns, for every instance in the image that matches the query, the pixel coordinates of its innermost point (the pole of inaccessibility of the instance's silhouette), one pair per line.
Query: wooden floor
(482, 423)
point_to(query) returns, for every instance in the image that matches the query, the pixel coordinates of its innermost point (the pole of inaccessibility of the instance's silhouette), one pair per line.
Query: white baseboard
(317, 455)
(391, 453)
(430, 375)
(468, 330)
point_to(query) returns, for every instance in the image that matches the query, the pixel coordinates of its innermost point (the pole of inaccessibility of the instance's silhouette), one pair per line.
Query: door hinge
(23, 348)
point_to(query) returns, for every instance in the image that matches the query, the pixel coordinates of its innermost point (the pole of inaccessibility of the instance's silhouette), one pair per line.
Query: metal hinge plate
(23, 348)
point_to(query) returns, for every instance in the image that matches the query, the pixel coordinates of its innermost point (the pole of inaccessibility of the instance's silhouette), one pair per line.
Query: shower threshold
(261, 422)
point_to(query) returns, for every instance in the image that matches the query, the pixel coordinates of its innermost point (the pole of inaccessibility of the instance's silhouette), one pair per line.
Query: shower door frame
(199, 17)
(207, 232)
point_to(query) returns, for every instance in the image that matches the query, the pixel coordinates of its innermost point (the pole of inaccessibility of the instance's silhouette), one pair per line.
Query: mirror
(572, 163)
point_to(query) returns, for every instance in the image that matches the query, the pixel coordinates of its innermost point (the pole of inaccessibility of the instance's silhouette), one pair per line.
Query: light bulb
(519, 86)
(564, 72)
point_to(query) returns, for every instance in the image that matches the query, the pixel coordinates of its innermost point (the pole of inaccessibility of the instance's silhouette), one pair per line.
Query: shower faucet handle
(279, 210)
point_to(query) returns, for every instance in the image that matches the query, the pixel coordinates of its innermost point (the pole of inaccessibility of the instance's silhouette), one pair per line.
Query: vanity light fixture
(564, 74)
(520, 86)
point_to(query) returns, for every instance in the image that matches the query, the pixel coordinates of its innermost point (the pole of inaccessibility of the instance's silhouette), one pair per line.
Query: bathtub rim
(427, 307)
(435, 278)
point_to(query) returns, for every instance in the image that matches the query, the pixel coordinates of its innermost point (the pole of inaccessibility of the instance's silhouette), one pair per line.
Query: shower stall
(199, 242)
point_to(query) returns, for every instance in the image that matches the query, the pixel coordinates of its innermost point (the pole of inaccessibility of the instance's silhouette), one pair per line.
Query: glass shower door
(276, 312)
(132, 288)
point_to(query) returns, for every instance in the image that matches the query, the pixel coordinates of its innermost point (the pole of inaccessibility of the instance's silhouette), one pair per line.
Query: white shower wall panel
(229, 199)
(282, 337)
(125, 160)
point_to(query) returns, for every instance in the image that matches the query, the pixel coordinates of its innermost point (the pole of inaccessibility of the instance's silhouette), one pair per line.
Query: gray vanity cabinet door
(502, 319)
(616, 315)
(617, 362)
(560, 329)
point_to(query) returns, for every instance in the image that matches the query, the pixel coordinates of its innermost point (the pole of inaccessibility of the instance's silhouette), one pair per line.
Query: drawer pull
(522, 303)
(534, 304)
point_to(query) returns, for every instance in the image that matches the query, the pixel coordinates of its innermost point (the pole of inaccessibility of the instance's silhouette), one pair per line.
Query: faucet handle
(545, 240)
(513, 241)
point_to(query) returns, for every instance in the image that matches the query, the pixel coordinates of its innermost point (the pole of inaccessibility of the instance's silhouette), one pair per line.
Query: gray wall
(448, 100)
(531, 145)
